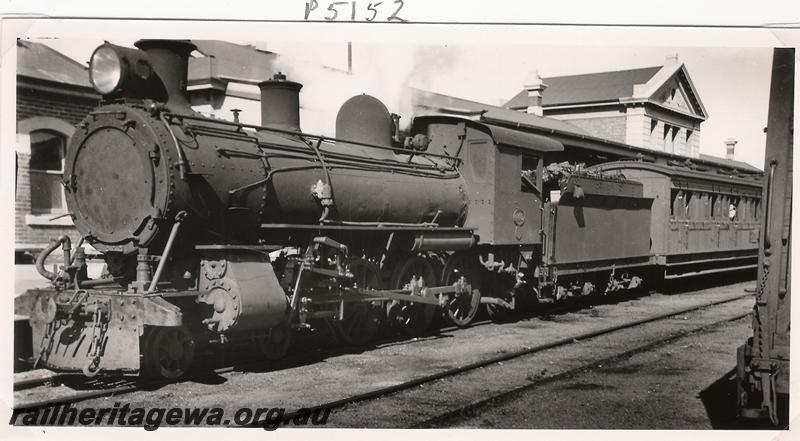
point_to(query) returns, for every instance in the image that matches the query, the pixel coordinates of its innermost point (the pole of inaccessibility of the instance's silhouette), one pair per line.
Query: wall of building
(613, 128)
(637, 128)
(41, 110)
(32, 102)
(678, 139)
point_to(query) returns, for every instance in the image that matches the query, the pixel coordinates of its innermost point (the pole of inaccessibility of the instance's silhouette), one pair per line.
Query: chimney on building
(535, 86)
(259, 45)
(671, 59)
(730, 143)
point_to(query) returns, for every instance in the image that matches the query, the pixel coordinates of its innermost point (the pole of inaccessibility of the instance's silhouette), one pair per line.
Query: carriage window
(677, 208)
(688, 202)
(713, 207)
(46, 167)
(723, 206)
(705, 211)
(733, 209)
(530, 167)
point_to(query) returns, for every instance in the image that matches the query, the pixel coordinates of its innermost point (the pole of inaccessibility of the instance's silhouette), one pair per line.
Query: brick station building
(53, 95)
(656, 108)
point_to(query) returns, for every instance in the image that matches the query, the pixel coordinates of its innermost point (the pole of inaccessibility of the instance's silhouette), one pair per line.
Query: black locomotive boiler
(221, 232)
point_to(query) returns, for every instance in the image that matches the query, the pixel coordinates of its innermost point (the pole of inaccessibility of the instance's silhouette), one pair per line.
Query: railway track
(116, 387)
(48, 378)
(475, 407)
(438, 419)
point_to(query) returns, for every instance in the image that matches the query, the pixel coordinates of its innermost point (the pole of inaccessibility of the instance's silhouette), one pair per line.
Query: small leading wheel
(274, 344)
(168, 352)
(361, 321)
(413, 319)
(462, 308)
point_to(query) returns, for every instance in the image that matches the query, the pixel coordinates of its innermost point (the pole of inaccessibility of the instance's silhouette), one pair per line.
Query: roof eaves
(24, 81)
(585, 104)
(677, 111)
(64, 57)
(693, 91)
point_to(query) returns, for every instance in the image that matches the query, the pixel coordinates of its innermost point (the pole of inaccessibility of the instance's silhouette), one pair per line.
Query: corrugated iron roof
(587, 88)
(39, 61)
(423, 99)
(732, 163)
(225, 60)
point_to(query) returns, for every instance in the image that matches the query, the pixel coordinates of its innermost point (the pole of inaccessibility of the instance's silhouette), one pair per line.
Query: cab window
(530, 178)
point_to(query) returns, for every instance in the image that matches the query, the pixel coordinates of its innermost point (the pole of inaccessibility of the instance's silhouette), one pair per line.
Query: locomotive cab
(503, 170)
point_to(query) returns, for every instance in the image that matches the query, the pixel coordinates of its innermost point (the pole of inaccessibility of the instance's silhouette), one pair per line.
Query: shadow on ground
(719, 399)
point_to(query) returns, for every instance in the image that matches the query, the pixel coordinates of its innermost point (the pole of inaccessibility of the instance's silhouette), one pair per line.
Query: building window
(46, 169)
(670, 133)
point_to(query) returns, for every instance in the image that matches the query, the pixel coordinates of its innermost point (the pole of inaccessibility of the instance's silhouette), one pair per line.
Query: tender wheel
(274, 344)
(361, 320)
(169, 352)
(462, 308)
(412, 318)
(499, 313)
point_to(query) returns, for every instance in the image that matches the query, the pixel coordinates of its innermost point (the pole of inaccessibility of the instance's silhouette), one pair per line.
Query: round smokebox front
(114, 176)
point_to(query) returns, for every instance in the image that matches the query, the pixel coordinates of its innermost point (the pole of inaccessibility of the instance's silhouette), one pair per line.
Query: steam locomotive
(217, 232)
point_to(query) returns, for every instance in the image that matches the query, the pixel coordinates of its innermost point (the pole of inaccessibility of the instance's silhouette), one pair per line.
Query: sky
(732, 83)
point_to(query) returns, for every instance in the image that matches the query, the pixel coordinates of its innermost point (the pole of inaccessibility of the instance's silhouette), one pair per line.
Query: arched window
(46, 168)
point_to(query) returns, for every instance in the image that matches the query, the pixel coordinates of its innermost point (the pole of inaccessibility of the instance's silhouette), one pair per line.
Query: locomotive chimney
(170, 61)
(730, 143)
(535, 86)
(280, 103)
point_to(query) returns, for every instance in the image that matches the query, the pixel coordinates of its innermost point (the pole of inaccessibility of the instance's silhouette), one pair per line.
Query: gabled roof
(587, 88)
(222, 60)
(41, 62)
(432, 102)
(649, 84)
